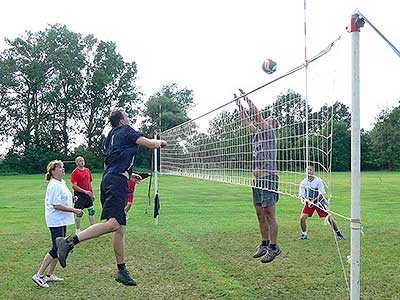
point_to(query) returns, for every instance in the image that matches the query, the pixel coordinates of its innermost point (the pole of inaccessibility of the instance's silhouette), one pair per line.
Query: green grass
(203, 244)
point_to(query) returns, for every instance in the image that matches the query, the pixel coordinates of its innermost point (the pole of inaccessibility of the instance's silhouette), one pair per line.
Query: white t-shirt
(315, 187)
(57, 193)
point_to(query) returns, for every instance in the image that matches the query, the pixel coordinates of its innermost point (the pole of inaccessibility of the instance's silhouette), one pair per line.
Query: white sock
(77, 231)
(304, 232)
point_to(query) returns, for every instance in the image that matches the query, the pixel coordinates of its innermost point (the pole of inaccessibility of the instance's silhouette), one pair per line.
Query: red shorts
(131, 190)
(129, 198)
(310, 210)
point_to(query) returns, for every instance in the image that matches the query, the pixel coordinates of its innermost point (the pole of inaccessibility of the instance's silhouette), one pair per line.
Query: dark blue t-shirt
(120, 149)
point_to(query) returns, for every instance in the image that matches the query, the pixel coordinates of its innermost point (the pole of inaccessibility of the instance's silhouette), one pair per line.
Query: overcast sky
(215, 46)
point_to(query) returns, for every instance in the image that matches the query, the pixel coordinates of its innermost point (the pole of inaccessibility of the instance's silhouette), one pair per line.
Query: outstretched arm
(151, 143)
(245, 117)
(255, 112)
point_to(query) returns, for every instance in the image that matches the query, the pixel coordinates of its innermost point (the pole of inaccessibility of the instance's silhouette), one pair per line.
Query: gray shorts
(265, 190)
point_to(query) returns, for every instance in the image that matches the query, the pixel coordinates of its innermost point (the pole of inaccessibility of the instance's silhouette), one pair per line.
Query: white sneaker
(53, 278)
(40, 281)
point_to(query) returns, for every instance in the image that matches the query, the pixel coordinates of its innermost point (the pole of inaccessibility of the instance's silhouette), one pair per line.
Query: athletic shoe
(124, 277)
(53, 278)
(340, 235)
(261, 250)
(64, 247)
(303, 236)
(270, 255)
(40, 281)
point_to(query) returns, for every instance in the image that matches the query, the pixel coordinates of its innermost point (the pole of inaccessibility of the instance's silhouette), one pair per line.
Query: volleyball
(269, 66)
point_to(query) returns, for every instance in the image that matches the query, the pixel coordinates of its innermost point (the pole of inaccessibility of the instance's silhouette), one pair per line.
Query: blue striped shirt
(265, 144)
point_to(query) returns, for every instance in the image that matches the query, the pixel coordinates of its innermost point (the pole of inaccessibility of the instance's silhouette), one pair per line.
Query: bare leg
(303, 224)
(98, 229)
(78, 223)
(262, 222)
(128, 207)
(47, 260)
(332, 221)
(272, 223)
(119, 244)
(53, 265)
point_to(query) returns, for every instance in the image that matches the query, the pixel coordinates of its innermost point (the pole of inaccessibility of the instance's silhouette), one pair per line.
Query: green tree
(367, 153)
(168, 107)
(109, 82)
(385, 139)
(55, 84)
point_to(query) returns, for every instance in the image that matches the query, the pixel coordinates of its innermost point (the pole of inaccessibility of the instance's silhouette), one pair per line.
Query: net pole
(155, 174)
(307, 152)
(355, 225)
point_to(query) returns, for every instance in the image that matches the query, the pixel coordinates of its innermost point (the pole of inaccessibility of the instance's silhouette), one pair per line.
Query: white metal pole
(307, 158)
(356, 23)
(155, 174)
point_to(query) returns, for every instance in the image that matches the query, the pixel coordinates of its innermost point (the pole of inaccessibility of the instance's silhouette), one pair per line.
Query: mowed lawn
(203, 245)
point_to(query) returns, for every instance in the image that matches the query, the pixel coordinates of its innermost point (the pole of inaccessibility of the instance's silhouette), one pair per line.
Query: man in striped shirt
(266, 180)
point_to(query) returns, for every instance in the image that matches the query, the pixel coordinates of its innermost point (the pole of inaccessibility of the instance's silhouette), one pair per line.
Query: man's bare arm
(245, 117)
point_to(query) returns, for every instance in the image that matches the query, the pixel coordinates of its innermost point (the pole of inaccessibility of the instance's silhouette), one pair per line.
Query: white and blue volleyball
(269, 66)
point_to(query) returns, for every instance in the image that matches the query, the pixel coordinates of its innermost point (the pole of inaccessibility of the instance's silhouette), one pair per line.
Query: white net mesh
(221, 145)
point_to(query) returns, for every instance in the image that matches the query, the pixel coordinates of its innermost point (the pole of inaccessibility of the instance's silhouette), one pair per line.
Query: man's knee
(113, 224)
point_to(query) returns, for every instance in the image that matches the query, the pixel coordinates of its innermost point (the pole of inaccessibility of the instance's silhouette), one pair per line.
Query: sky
(215, 46)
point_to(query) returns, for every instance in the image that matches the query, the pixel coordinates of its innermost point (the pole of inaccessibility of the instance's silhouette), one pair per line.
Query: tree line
(57, 88)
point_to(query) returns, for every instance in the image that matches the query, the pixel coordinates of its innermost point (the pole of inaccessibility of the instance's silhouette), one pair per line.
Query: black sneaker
(124, 277)
(64, 247)
(261, 250)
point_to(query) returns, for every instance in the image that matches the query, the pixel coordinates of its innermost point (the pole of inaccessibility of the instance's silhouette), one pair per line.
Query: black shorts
(55, 233)
(84, 201)
(114, 188)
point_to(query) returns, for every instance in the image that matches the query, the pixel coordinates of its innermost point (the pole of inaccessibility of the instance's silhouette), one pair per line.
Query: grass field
(203, 244)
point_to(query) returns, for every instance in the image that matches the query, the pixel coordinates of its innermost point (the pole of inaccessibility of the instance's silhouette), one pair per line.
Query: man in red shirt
(81, 180)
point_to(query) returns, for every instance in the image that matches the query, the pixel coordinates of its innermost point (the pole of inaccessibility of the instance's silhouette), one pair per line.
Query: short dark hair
(115, 117)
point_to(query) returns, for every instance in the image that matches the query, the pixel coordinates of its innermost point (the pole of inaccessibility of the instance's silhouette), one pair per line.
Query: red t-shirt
(131, 190)
(82, 178)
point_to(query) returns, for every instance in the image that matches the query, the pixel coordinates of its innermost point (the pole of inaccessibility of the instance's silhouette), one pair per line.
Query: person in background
(312, 191)
(81, 179)
(59, 214)
(130, 197)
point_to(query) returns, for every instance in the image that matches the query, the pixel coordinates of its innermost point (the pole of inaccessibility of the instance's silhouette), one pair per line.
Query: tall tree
(28, 89)
(385, 139)
(109, 82)
(166, 108)
(65, 56)
(57, 83)
(170, 106)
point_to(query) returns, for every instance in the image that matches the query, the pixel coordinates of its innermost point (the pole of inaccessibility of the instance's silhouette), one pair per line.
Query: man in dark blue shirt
(120, 148)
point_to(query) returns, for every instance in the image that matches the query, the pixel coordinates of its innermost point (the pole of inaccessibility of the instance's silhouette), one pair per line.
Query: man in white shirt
(312, 191)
